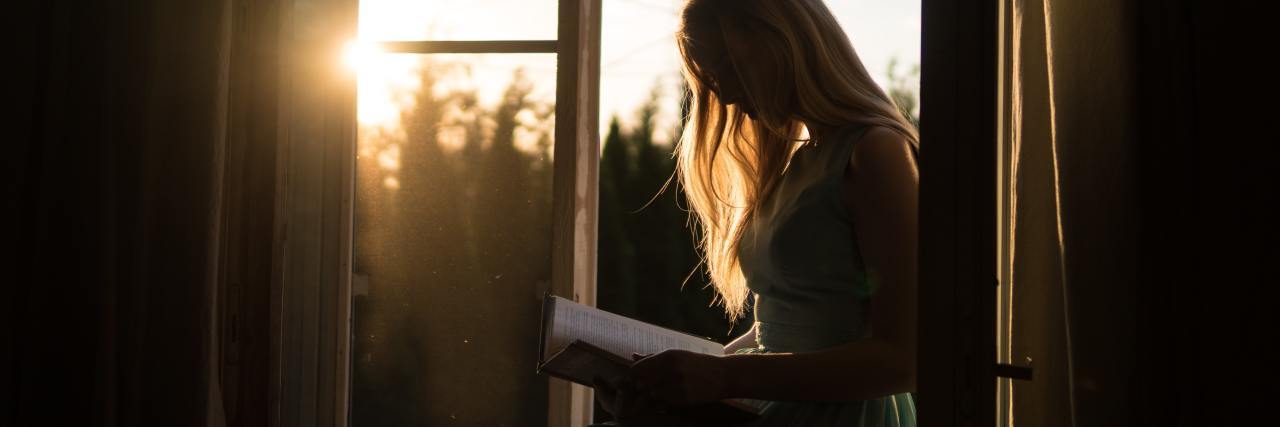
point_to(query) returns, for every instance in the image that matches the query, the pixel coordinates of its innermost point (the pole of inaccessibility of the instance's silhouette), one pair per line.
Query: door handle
(1005, 370)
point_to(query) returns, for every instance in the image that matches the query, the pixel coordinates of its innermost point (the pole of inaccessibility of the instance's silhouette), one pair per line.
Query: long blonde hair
(795, 66)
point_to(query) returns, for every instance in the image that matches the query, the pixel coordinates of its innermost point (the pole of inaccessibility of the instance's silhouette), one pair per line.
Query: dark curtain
(114, 188)
(1206, 301)
(1143, 219)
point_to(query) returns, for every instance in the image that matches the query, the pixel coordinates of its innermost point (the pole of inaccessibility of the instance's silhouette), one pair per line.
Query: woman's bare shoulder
(879, 150)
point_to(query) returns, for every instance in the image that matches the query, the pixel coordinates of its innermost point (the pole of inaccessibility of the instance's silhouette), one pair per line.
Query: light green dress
(802, 263)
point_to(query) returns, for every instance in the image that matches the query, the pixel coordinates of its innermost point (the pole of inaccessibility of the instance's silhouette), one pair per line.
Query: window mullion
(575, 184)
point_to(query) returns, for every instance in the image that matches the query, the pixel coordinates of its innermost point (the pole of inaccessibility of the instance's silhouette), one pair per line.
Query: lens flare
(360, 55)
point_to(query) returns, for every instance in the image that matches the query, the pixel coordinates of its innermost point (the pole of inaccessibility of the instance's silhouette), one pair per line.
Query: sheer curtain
(1070, 228)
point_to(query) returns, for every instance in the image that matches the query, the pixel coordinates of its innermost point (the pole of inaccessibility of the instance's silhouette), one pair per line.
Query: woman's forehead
(704, 50)
(702, 33)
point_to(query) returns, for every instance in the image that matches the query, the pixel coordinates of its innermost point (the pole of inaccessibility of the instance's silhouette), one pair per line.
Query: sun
(385, 82)
(360, 54)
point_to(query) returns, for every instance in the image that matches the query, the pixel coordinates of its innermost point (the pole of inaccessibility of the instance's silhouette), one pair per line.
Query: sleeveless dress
(802, 263)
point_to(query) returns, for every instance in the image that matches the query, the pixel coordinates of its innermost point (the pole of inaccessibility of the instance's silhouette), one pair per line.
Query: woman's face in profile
(718, 69)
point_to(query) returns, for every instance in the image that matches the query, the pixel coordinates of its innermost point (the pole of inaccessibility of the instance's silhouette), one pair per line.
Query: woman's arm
(747, 340)
(882, 190)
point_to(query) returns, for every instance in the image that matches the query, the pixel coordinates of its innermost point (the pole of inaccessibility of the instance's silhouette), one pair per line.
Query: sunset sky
(638, 48)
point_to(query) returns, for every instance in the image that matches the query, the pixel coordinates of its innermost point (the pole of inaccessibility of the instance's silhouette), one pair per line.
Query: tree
(446, 234)
(903, 90)
(647, 242)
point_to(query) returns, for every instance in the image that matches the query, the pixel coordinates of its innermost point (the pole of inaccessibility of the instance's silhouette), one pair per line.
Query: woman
(822, 230)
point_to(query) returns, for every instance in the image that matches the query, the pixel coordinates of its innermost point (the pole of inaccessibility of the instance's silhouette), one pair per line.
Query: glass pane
(640, 59)
(452, 239)
(646, 249)
(458, 19)
(886, 36)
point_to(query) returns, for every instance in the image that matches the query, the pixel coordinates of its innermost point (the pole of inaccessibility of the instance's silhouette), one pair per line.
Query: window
(331, 284)
(407, 224)
(452, 238)
(453, 223)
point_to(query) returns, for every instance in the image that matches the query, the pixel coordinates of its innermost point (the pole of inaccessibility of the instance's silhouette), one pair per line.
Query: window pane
(452, 239)
(646, 249)
(458, 19)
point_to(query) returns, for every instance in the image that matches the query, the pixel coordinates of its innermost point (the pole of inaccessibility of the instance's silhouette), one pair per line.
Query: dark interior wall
(118, 171)
(1206, 308)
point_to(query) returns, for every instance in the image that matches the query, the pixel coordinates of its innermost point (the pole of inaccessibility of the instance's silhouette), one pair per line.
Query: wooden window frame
(310, 317)
(1004, 296)
(312, 250)
(959, 150)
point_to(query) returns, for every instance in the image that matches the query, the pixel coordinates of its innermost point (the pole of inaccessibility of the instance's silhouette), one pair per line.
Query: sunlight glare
(360, 55)
(386, 82)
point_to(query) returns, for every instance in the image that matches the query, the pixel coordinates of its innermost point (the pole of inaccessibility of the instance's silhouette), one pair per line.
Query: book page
(617, 334)
(601, 331)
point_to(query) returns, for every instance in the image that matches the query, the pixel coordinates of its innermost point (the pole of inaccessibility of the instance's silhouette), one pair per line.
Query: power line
(669, 10)
(638, 49)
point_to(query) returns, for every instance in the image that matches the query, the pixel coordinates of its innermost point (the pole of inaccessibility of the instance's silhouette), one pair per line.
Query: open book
(580, 342)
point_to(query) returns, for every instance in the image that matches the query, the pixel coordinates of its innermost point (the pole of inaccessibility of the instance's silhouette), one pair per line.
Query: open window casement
(355, 241)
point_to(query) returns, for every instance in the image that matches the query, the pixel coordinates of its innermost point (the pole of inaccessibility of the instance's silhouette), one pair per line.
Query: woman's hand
(681, 378)
(629, 408)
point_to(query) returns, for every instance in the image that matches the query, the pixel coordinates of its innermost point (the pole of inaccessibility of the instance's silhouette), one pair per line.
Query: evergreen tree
(393, 249)
(616, 279)
(444, 252)
(640, 214)
(903, 90)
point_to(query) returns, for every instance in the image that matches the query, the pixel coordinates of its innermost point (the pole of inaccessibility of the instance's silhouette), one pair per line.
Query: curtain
(116, 177)
(1141, 218)
(1072, 228)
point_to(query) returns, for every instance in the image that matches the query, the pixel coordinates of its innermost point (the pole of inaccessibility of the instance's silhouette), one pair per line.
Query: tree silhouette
(904, 89)
(636, 219)
(445, 237)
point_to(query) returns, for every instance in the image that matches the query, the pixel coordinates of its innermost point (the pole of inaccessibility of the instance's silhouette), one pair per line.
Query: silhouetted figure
(821, 230)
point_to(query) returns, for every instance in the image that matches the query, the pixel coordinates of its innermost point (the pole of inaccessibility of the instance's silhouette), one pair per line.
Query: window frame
(311, 321)
(958, 256)
(311, 241)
